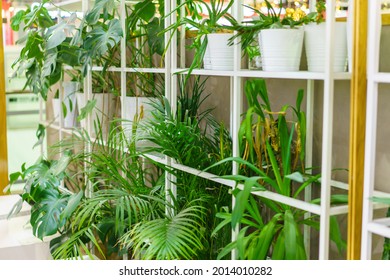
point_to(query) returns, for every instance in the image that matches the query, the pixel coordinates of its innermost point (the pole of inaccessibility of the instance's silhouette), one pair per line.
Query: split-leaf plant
(53, 45)
(117, 200)
(193, 21)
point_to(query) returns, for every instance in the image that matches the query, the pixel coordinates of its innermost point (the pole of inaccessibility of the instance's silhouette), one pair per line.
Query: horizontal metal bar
(381, 77)
(55, 125)
(379, 228)
(339, 184)
(303, 75)
(205, 175)
(296, 203)
(303, 205)
(131, 69)
(338, 210)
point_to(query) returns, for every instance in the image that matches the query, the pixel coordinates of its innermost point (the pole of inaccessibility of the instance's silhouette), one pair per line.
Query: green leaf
(275, 169)
(265, 238)
(17, 20)
(87, 109)
(73, 203)
(299, 99)
(290, 236)
(241, 244)
(64, 109)
(335, 234)
(56, 35)
(278, 252)
(40, 134)
(145, 10)
(103, 38)
(334, 199)
(296, 176)
(242, 199)
(13, 177)
(155, 38)
(45, 214)
(176, 237)
(385, 200)
(101, 7)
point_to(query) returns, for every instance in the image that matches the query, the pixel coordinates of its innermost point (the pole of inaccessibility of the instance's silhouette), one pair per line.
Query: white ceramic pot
(69, 120)
(207, 58)
(70, 89)
(315, 45)
(136, 108)
(103, 111)
(221, 54)
(281, 49)
(56, 105)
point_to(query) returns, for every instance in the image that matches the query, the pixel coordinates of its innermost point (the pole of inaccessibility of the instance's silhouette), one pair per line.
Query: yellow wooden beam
(357, 129)
(3, 121)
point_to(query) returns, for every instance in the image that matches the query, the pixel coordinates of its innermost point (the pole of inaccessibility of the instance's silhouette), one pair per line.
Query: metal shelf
(300, 75)
(172, 67)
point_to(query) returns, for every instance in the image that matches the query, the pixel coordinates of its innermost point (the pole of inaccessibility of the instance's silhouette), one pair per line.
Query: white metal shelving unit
(236, 99)
(371, 225)
(172, 66)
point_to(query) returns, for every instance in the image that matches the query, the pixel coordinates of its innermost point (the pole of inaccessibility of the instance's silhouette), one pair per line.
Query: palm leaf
(170, 237)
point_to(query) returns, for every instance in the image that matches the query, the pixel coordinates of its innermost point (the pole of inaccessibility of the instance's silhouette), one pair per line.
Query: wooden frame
(357, 125)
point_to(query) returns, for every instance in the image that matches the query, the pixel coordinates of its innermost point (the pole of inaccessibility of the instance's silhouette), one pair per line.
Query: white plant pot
(221, 54)
(56, 105)
(140, 106)
(315, 45)
(70, 89)
(102, 112)
(207, 58)
(281, 49)
(69, 120)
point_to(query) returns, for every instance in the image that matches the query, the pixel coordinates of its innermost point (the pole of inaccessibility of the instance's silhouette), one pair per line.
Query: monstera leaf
(46, 216)
(155, 36)
(103, 38)
(101, 7)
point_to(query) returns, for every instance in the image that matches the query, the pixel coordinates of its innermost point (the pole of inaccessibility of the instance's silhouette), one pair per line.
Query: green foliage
(145, 23)
(172, 236)
(192, 137)
(263, 125)
(247, 31)
(43, 191)
(49, 45)
(271, 147)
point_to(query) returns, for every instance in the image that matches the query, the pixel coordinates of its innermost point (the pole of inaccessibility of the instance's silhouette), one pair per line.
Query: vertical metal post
(169, 186)
(236, 104)
(327, 133)
(309, 153)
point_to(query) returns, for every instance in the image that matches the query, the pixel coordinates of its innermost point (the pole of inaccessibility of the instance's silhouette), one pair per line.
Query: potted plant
(315, 42)
(50, 46)
(210, 41)
(145, 47)
(280, 37)
(63, 103)
(273, 150)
